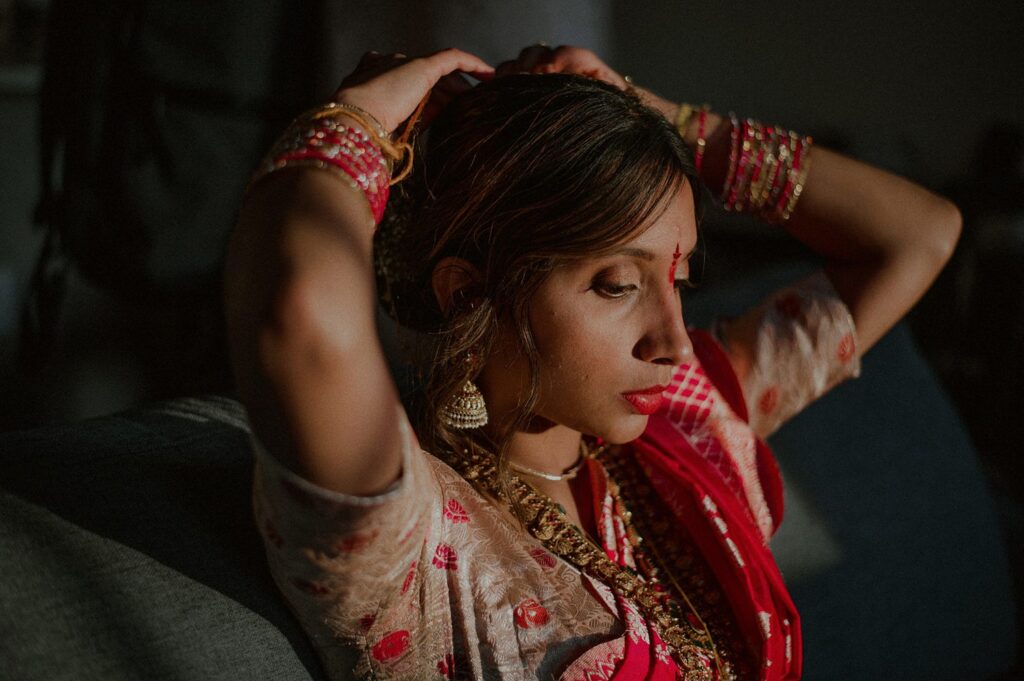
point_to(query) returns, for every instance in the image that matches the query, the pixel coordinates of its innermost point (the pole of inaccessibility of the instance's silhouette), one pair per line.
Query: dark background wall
(909, 86)
(912, 87)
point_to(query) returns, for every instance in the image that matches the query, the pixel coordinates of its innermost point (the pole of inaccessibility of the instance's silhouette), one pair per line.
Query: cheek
(580, 357)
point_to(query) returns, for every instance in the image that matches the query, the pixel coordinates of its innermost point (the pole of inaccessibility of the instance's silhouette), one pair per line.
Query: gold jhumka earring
(465, 410)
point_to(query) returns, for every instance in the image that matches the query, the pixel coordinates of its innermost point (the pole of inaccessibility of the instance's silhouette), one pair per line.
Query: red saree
(701, 484)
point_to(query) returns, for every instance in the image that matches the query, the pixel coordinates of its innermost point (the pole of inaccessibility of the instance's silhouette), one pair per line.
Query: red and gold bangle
(767, 170)
(683, 118)
(319, 140)
(702, 143)
(741, 179)
(801, 165)
(734, 155)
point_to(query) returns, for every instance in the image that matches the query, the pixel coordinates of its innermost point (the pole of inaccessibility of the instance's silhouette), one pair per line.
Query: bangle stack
(767, 170)
(686, 112)
(363, 161)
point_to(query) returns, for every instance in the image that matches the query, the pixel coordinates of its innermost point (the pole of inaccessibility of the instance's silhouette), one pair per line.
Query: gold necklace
(549, 525)
(569, 473)
(619, 478)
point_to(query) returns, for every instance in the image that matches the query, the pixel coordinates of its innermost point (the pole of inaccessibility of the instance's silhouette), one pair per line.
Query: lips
(646, 401)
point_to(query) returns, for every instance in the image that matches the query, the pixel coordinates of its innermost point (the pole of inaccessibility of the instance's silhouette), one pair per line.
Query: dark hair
(518, 175)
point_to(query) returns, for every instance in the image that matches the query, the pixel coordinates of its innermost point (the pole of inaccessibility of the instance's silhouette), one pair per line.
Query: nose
(665, 340)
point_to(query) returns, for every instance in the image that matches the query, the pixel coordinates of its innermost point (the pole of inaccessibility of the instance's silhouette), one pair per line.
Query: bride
(580, 490)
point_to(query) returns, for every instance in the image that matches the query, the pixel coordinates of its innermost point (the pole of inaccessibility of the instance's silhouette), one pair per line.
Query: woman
(588, 496)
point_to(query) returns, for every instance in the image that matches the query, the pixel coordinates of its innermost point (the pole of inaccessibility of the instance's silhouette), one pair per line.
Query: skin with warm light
(609, 331)
(309, 362)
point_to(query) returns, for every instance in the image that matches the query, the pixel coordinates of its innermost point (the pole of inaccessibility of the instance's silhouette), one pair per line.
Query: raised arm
(301, 304)
(884, 239)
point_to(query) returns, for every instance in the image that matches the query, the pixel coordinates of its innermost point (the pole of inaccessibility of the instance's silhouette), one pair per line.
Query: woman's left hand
(581, 61)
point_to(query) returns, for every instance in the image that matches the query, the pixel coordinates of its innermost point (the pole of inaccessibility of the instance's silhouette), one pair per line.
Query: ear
(454, 281)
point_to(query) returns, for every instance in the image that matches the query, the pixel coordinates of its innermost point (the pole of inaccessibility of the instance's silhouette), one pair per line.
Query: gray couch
(127, 549)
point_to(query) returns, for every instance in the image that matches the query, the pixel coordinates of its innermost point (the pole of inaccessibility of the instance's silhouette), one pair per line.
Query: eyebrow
(644, 254)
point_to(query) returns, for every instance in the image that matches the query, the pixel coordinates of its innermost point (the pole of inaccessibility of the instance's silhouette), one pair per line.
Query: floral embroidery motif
(312, 588)
(356, 542)
(446, 666)
(636, 627)
(409, 577)
(805, 343)
(766, 624)
(530, 614)
(600, 663)
(769, 400)
(455, 512)
(391, 646)
(445, 557)
(543, 558)
(846, 348)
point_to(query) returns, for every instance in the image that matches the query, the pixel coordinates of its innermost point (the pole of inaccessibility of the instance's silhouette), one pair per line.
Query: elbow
(947, 226)
(306, 331)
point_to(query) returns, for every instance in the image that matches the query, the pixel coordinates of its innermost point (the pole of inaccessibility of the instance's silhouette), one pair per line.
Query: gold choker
(568, 474)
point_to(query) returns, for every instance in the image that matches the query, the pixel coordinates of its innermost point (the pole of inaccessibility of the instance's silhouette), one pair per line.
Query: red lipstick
(646, 401)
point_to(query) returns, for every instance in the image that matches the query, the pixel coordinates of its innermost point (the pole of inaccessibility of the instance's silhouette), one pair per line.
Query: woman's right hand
(391, 86)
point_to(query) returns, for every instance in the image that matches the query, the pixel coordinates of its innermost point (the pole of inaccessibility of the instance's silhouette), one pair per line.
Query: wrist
(326, 138)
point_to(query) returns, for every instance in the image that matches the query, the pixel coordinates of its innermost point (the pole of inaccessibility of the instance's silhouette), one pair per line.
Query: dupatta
(701, 484)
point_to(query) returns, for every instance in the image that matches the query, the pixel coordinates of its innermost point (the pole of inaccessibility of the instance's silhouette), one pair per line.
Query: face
(609, 332)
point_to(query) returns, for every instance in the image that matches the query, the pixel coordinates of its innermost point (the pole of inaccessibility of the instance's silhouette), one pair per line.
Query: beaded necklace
(644, 518)
(689, 644)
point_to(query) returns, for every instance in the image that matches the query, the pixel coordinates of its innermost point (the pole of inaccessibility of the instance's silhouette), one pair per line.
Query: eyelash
(609, 290)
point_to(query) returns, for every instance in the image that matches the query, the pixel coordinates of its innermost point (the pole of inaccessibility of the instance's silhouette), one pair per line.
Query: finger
(534, 50)
(507, 67)
(535, 56)
(447, 61)
(369, 57)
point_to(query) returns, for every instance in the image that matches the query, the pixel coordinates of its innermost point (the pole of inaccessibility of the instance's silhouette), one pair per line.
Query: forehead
(676, 225)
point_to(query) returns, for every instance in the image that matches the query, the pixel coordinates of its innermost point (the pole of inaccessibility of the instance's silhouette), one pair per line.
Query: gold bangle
(801, 180)
(392, 151)
(683, 118)
(364, 117)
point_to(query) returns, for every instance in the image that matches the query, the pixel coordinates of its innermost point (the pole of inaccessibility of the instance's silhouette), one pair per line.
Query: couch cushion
(128, 551)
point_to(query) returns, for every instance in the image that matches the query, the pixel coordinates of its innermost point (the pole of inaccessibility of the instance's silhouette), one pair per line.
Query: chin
(624, 430)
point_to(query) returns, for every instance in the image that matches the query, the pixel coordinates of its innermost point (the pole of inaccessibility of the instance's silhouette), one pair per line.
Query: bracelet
(321, 142)
(393, 150)
(734, 155)
(683, 118)
(702, 143)
(686, 112)
(767, 171)
(364, 117)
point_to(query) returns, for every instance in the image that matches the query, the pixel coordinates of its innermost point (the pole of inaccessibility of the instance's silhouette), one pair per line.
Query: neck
(540, 444)
(553, 449)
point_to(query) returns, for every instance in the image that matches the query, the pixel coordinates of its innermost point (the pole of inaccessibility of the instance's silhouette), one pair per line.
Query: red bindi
(675, 263)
